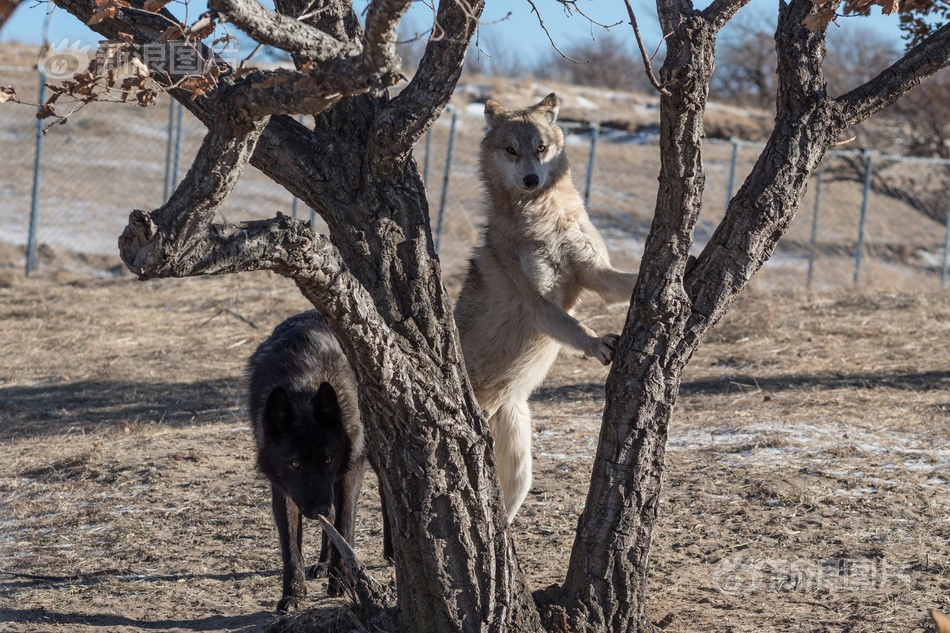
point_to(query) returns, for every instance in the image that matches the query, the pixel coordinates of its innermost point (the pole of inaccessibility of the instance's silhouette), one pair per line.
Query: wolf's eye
(541, 148)
(295, 465)
(329, 460)
(511, 150)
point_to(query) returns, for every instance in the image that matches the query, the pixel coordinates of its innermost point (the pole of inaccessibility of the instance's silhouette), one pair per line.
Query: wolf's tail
(511, 429)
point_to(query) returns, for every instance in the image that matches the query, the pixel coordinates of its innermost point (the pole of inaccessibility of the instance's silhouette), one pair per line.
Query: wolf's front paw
(603, 348)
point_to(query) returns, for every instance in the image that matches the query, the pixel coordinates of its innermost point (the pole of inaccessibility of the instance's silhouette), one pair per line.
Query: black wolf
(310, 445)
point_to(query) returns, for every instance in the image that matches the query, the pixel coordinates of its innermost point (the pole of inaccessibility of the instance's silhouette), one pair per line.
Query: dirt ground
(807, 485)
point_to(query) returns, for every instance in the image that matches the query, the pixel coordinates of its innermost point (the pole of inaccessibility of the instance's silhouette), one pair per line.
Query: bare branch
(721, 11)
(276, 244)
(643, 52)
(411, 112)
(312, 91)
(368, 591)
(535, 11)
(164, 237)
(282, 31)
(762, 209)
(379, 41)
(916, 65)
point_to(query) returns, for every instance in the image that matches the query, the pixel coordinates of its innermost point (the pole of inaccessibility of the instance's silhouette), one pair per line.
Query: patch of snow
(583, 103)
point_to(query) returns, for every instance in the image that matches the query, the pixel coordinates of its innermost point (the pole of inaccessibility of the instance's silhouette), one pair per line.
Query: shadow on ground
(51, 409)
(248, 622)
(735, 383)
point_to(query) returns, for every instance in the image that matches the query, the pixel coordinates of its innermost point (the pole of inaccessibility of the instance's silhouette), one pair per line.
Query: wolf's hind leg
(511, 429)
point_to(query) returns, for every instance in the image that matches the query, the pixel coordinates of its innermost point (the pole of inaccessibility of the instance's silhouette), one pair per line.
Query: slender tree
(377, 280)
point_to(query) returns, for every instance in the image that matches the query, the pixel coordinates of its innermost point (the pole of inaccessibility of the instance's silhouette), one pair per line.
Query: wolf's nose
(531, 181)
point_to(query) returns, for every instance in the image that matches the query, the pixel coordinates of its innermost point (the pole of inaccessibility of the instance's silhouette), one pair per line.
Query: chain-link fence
(867, 219)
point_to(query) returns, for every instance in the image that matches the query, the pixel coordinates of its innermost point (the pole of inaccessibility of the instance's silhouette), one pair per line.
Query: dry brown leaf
(45, 111)
(146, 97)
(154, 6)
(172, 33)
(890, 6)
(106, 9)
(819, 19)
(198, 85)
(7, 93)
(125, 38)
(141, 70)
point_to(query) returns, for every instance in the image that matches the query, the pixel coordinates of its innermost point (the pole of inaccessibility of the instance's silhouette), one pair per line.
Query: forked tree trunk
(377, 280)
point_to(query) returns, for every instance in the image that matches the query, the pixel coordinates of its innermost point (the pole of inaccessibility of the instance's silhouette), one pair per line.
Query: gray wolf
(539, 253)
(303, 405)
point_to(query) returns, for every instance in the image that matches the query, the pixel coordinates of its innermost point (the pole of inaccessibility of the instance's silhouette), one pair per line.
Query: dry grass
(806, 483)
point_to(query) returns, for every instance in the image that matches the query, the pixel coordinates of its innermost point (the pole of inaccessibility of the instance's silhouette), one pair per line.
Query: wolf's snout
(531, 181)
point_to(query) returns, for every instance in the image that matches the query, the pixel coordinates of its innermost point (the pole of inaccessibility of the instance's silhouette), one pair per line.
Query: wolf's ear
(493, 112)
(325, 403)
(278, 413)
(551, 104)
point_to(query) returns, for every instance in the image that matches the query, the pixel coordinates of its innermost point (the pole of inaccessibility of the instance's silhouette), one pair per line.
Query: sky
(509, 20)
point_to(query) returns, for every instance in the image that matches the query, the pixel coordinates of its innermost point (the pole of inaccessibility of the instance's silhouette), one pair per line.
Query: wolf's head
(523, 150)
(305, 447)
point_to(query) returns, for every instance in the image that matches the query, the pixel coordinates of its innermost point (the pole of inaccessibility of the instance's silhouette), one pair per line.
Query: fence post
(34, 201)
(181, 109)
(168, 149)
(425, 166)
(814, 225)
(732, 170)
(590, 162)
(864, 214)
(946, 251)
(445, 180)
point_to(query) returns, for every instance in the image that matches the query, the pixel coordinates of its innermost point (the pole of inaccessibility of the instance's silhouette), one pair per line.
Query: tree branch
(916, 65)
(379, 40)
(367, 590)
(672, 12)
(765, 204)
(282, 31)
(411, 113)
(313, 91)
(721, 11)
(647, 64)
(158, 243)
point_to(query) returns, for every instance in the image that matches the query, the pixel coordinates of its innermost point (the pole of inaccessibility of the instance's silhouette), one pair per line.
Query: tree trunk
(377, 281)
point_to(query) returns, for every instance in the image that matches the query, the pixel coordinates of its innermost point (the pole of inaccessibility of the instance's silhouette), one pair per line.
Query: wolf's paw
(288, 604)
(603, 348)
(317, 571)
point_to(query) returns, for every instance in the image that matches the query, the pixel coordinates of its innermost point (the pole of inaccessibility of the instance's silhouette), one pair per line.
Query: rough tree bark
(377, 280)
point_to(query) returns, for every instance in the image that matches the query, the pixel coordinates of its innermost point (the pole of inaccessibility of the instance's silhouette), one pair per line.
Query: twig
(534, 9)
(250, 55)
(844, 142)
(570, 6)
(643, 51)
(366, 588)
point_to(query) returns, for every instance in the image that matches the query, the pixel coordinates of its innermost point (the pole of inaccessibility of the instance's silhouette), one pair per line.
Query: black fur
(310, 445)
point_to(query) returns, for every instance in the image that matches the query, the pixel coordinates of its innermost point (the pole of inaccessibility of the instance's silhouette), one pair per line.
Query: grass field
(807, 482)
